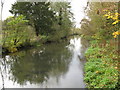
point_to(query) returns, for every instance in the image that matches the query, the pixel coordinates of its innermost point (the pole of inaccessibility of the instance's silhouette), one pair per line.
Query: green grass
(101, 69)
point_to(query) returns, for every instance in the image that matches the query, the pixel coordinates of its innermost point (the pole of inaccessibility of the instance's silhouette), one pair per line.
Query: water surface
(50, 66)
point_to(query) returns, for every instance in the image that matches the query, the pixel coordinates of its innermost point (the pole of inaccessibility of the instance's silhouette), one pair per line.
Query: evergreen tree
(39, 14)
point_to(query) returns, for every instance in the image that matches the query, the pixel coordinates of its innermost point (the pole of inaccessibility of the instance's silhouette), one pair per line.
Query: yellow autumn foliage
(115, 34)
(113, 16)
(116, 20)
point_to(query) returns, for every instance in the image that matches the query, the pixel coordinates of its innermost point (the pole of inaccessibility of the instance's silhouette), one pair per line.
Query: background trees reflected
(38, 64)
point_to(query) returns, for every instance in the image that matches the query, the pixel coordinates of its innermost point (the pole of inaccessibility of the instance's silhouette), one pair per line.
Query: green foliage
(38, 13)
(45, 17)
(101, 68)
(40, 18)
(63, 23)
(58, 35)
(19, 20)
(98, 26)
(16, 33)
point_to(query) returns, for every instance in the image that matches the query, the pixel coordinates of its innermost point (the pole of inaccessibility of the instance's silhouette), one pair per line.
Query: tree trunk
(36, 30)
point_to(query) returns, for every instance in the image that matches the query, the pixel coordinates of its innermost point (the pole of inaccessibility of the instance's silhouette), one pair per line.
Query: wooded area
(37, 23)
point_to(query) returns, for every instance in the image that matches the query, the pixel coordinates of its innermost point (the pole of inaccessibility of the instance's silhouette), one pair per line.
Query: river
(55, 65)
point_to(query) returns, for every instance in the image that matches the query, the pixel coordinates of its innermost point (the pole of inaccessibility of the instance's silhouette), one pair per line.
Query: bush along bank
(101, 68)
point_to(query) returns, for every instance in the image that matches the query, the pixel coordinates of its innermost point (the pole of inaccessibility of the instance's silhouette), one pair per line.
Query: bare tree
(2, 3)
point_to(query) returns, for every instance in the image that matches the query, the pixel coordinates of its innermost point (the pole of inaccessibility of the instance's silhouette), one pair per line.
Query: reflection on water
(50, 66)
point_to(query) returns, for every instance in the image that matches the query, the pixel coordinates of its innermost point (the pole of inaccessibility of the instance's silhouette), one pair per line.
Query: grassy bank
(101, 69)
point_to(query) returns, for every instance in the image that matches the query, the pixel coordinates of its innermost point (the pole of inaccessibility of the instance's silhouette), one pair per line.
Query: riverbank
(35, 42)
(101, 68)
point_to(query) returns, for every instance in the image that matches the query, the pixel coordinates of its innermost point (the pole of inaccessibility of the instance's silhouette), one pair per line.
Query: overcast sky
(77, 9)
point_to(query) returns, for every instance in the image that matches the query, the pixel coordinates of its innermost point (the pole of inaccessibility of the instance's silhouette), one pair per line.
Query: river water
(50, 66)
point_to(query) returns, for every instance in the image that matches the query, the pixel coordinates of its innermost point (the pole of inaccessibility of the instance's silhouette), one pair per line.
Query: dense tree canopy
(39, 14)
(45, 17)
(50, 21)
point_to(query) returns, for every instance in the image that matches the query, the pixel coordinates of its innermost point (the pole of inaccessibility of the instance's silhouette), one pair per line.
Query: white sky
(77, 9)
